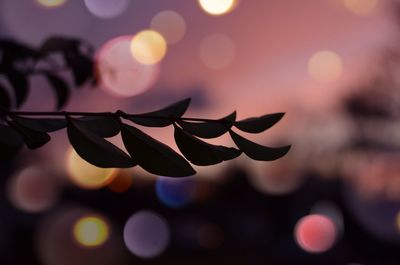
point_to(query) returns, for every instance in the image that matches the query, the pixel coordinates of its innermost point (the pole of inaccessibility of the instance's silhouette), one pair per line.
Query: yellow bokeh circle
(148, 47)
(51, 3)
(217, 7)
(86, 175)
(91, 231)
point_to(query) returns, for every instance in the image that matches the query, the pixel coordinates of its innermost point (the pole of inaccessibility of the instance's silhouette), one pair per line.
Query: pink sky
(274, 41)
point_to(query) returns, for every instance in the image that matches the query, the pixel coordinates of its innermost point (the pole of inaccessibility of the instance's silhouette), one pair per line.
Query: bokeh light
(217, 51)
(51, 3)
(325, 66)
(121, 183)
(120, 74)
(174, 192)
(278, 178)
(33, 190)
(56, 244)
(86, 175)
(91, 231)
(106, 8)
(217, 7)
(146, 234)
(361, 7)
(170, 24)
(315, 233)
(148, 47)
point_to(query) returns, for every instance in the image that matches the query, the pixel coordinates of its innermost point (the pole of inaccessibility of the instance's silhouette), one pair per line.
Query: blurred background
(333, 66)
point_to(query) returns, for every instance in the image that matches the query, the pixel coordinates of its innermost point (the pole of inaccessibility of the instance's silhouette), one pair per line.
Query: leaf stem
(118, 114)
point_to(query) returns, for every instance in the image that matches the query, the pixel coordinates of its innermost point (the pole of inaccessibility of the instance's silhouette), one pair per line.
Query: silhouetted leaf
(58, 44)
(210, 129)
(41, 124)
(5, 102)
(201, 153)
(10, 142)
(13, 51)
(259, 124)
(101, 126)
(20, 85)
(173, 111)
(81, 66)
(33, 139)
(60, 88)
(227, 153)
(196, 151)
(256, 151)
(95, 149)
(154, 156)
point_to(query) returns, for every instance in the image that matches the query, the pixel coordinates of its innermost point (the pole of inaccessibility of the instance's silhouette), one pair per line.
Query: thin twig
(119, 114)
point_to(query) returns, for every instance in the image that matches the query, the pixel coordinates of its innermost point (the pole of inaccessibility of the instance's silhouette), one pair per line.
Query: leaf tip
(187, 101)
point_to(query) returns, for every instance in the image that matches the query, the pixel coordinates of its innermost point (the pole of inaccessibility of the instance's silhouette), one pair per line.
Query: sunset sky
(301, 57)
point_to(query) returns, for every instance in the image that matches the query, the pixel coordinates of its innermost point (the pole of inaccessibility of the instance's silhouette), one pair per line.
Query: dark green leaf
(101, 126)
(10, 142)
(5, 102)
(256, 151)
(201, 153)
(154, 156)
(60, 88)
(19, 83)
(41, 124)
(209, 130)
(259, 124)
(95, 149)
(33, 139)
(172, 112)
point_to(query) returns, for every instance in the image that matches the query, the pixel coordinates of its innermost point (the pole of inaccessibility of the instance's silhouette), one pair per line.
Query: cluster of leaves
(19, 61)
(88, 134)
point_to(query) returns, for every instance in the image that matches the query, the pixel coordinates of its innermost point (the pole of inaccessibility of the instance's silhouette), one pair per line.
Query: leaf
(227, 153)
(58, 44)
(33, 139)
(209, 130)
(41, 124)
(154, 156)
(19, 83)
(95, 149)
(60, 88)
(256, 151)
(196, 151)
(201, 153)
(101, 126)
(81, 65)
(10, 142)
(5, 103)
(259, 124)
(13, 51)
(156, 118)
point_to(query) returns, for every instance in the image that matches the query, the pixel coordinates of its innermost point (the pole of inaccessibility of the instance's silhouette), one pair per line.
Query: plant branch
(119, 114)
